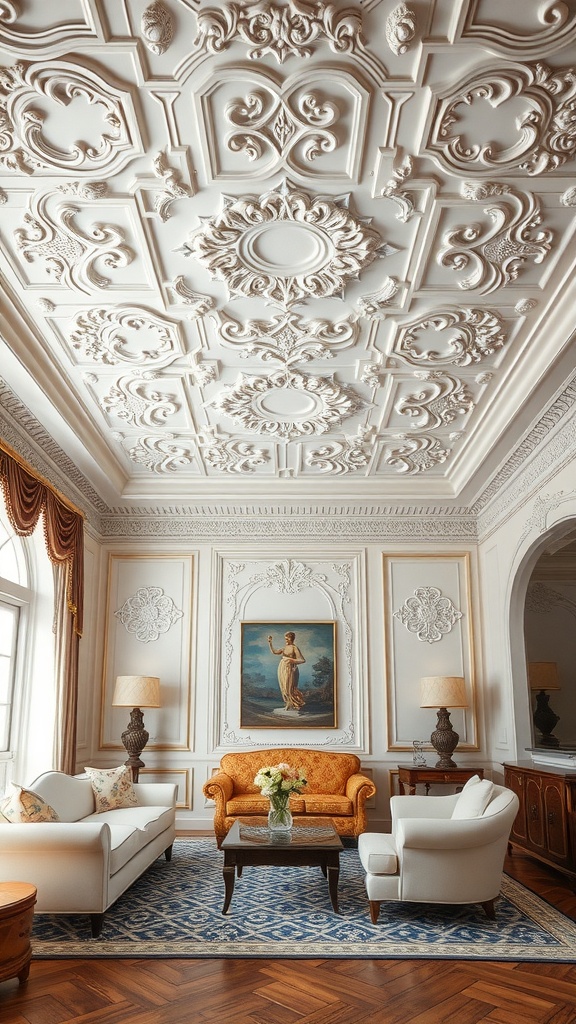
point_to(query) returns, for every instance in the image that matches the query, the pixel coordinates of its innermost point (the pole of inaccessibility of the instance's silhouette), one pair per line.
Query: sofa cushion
(377, 853)
(473, 801)
(150, 821)
(112, 787)
(125, 842)
(23, 805)
(248, 804)
(327, 803)
(325, 772)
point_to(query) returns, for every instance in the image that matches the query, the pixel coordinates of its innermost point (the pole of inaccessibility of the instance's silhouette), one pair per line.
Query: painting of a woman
(288, 672)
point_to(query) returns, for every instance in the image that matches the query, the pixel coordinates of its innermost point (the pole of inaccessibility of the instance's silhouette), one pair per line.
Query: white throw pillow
(473, 801)
(471, 782)
(112, 787)
(23, 805)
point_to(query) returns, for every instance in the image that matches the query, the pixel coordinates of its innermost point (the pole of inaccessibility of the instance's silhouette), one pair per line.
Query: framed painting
(288, 675)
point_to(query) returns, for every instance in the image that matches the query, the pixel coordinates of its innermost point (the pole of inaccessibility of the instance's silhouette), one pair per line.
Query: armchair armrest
(219, 786)
(356, 784)
(438, 834)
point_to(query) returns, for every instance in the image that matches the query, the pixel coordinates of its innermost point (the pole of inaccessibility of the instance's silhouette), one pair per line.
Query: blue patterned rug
(175, 910)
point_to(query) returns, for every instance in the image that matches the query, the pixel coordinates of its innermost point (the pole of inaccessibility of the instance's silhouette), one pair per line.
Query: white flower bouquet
(280, 778)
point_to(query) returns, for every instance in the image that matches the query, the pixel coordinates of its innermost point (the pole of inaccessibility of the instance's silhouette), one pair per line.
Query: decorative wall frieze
(286, 337)
(249, 244)
(545, 132)
(157, 27)
(429, 614)
(112, 335)
(30, 92)
(495, 256)
(464, 336)
(25, 38)
(400, 29)
(148, 614)
(438, 402)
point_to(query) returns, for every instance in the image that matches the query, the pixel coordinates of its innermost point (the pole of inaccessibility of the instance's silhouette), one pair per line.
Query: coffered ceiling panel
(287, 248)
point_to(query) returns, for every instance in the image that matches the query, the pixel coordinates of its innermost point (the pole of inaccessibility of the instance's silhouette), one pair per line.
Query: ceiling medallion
(286, 244)
(287, 404)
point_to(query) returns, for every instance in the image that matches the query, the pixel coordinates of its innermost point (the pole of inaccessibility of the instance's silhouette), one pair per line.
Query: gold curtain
(28, 497)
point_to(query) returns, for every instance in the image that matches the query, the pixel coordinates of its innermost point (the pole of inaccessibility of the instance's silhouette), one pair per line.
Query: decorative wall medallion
(418, 454)
(161, 454)
(287, 337)
(287, 404)
(400, 28)
(439, 403)
(138, 402)
(68, 252)
(546, 131)
(289, 577)
(173, 187)
(157, 27)
(465, 336)
(428, 614)
(232, 456)
(286, 244)
(129, 334)
(496, 255)
(340, 457)
(148, 614)
(28, 91)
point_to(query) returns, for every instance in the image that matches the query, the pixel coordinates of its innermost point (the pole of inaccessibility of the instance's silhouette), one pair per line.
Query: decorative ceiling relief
(30, 95)
(340, 457)
(157, 27)
(460, 337)
(124, 335)
(543, 27)
(545, 136)
(429, 614)
(400, 29)
(148, 614)
(138, 402)
(287, 337)
(419, 454)
(173, 189)
(441, 399)
(230, 456)
(495, 256)
(165, 454)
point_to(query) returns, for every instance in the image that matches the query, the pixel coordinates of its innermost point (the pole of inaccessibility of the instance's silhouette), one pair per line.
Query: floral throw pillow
(22, 805)
(112, 787)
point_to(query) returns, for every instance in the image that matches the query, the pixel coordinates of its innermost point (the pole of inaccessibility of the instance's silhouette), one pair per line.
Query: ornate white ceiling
(287, 248)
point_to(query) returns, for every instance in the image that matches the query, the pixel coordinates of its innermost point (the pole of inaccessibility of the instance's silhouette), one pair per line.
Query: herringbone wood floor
(304, 991)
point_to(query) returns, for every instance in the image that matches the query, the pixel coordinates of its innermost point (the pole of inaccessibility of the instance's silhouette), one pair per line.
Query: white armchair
(437, 852)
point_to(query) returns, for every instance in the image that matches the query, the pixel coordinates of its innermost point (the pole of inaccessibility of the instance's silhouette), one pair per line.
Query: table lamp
(443, 692)
(136, 692)
(543, 676)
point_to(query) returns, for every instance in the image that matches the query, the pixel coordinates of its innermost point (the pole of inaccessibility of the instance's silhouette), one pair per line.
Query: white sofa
(84, 862)
(432, 856)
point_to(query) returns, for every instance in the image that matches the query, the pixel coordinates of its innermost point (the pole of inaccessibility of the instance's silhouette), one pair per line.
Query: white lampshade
(543, 675)
(443, 692)
(136, 692)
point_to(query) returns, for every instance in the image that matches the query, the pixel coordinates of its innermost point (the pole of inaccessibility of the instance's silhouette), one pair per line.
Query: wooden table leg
(333, 875)
(228, 873)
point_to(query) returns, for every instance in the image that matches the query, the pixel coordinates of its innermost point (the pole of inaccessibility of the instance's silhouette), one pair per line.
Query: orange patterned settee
(336, 788)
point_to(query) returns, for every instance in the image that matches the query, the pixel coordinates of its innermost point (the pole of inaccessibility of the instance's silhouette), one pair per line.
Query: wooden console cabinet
(545, 826)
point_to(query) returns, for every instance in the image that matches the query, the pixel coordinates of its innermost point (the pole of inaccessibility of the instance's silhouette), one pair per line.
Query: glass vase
(279, 816)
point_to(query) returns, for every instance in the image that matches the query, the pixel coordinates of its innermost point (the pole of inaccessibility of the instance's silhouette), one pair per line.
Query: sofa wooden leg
(168, 852)
(488, 908)
(96, 922)
(374, 910)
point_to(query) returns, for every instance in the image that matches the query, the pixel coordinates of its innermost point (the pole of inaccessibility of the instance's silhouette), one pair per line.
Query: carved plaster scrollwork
(26, 93)
(439, 403)
(289, 577)
(266, 123)
(251, 403)
(469, 335)
(375, 306)
(138, 403)
(70, 254)
(239, 243)
(231, 456)
(148, 614)
(393, 190)
(496, 255)
(199, 304)
(287, 337)
(428, 614)
(174, 188)
(341, 457)
(544, 600)
(546, 132)
(418, 454)
(161, 454)
(111, 336)
(85, 189)
(157, 27)
(400, 29)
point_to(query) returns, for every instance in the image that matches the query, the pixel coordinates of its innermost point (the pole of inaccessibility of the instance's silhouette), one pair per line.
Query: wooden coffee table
(312, 842)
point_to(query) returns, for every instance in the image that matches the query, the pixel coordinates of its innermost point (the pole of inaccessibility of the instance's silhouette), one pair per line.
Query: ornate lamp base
(444, 740)
(135, 738)
(545, 719)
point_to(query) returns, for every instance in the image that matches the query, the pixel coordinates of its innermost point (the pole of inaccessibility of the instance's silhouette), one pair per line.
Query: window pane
(8, 620)
(4, 727)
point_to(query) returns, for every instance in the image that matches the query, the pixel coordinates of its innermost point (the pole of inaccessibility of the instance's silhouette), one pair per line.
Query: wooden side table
(410, 775)
(17, 901)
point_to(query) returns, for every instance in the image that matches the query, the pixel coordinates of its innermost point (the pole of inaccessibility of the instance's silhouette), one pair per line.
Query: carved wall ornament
(286, 244)
(438, 402)
(341, 457)
(173, 187)
(258, 404)
(428, 614)
(467, 335)
(148, 614)
(546, 131)
(231, 456)
(400, 28)
(27, 91)
(161, 454)
(543, 600)
(568, 198)
(157, 27)
(418, 454)
(124, 334)
(289, 577)
(495, 256)
(68, 252)
(199, 304)
(138, 402)
(286, 337)
(267, 122)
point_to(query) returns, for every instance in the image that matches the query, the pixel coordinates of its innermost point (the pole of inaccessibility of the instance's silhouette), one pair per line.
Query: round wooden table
(17, 901)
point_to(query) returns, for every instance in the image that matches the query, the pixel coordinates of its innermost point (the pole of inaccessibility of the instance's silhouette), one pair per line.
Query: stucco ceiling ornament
(428, 614)
(68, 252)
(393, 190)
(341, 457)
(229, 455)
(465, 336)
(173, 189)
(124, 334)
(376, 305)
(546, 132)
(161, 454)
(287, 337)
(148, 614)
(28, 91)
(258, 404)
(419, 454)
(568, 198)
(400, 29)
(138, 402)
(496, 255)
(198, 304)
(286, 244)
(84, 189)
(270, 122)
(543, 600)
(157, 27)
(440, 400)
